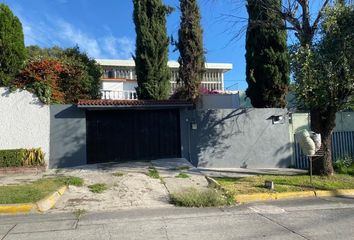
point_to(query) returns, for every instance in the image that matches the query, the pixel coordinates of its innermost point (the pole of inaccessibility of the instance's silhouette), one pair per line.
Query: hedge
(12, 158)
(21, 157)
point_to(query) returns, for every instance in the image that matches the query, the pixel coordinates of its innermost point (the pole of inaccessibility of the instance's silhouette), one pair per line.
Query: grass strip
(34, 191)
(249, 185)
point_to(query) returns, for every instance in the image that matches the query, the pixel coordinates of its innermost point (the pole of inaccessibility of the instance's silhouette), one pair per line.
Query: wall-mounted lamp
(278, 119)
(194, 126)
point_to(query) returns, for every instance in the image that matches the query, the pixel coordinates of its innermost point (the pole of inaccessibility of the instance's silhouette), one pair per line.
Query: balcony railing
(119, 95)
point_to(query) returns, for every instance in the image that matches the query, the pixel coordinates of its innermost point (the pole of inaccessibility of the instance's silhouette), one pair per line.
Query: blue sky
(105, 29)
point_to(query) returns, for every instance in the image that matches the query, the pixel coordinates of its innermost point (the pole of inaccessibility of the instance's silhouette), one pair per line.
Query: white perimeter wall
(24, 121)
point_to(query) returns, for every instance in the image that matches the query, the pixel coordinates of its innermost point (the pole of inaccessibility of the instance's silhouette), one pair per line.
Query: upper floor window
(110, 74)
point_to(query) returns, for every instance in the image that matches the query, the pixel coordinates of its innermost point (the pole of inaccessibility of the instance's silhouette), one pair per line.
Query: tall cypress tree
(190, 46)
(12, 47)
(267, 58)
(151, 55)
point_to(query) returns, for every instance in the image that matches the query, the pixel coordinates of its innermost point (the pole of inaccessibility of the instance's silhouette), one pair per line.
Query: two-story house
(119, 78)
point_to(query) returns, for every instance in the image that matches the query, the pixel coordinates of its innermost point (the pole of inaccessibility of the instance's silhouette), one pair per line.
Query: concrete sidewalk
(169, 169)
(134, 189)
(315, 219)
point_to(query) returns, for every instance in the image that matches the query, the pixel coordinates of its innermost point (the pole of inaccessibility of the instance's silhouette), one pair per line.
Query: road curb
(41, 206)
(245, 198)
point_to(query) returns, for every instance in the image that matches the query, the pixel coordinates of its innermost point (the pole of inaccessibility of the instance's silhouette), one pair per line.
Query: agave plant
(33, 157)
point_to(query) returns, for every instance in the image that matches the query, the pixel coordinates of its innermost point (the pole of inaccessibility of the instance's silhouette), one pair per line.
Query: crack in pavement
(165, 228)
(8, 232)
(283, 226)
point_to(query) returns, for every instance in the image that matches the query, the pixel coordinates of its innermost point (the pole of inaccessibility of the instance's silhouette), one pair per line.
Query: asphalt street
(317, 218)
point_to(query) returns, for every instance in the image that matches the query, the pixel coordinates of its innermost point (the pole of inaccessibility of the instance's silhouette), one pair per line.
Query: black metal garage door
(124, 135)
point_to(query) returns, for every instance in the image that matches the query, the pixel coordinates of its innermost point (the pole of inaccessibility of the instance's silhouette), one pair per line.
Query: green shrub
(12, 157)
(199, 198)
(344, 165)
(12, 46)
(22, 157)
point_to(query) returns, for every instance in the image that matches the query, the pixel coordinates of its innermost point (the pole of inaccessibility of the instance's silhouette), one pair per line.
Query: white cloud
(109, 44)
(126, 47)
(64, 34)
(119, 48)
(69, 33)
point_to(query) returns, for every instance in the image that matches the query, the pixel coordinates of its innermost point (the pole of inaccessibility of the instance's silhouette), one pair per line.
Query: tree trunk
(327, 168)
(324, 122)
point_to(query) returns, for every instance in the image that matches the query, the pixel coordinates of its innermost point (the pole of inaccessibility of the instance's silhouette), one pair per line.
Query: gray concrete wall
(219, 101)
(185, 132)
(67, 136)
(244, 138)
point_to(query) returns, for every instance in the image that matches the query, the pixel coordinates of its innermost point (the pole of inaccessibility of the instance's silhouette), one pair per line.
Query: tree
(324, 75)
(92, 70)
(299, 20)
(190, 46)
(12, 47)
(43, 78)
(297, 15)
(34, 51)
(59, 75)
(151, 55)
(267, 70)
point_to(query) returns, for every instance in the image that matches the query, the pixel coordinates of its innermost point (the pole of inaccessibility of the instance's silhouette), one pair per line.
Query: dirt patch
(132, 190)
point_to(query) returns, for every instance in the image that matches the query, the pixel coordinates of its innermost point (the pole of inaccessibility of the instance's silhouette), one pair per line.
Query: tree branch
(319, 15)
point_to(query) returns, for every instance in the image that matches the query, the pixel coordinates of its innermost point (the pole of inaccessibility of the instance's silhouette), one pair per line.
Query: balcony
(119, 95)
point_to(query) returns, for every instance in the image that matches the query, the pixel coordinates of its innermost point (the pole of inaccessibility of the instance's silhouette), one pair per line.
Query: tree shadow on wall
(34, 99)
(215, 127)
(68, 137)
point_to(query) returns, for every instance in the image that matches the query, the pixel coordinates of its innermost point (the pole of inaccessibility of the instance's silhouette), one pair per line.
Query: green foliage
(43, 91)
(73, 181)
(98, 187)
(58, 75)
(182, 175)
(344, 166)
(192, 197)
(190, 46)
(151, 55)
(153, 173)
(12, 47)
(12, 158)
(324, 74)
(33, 157)
(89, 84)
(118, 174)
(34, 52)
(22, 157)
(255, 184)
(267, 58)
